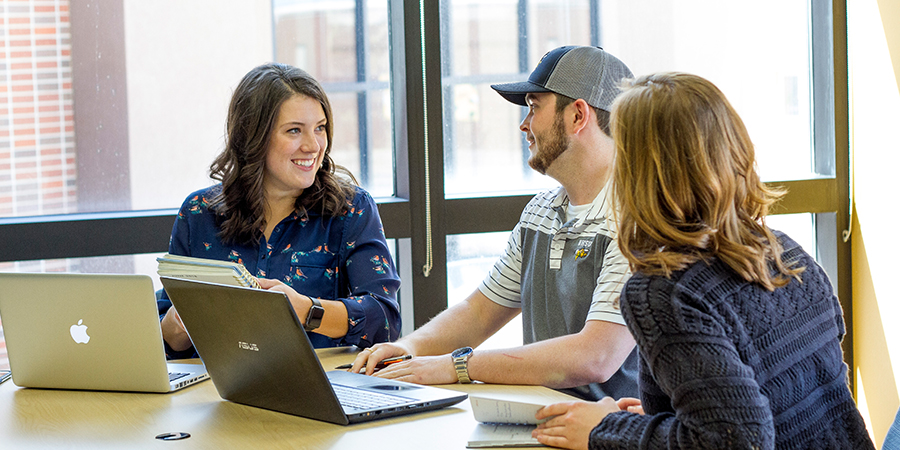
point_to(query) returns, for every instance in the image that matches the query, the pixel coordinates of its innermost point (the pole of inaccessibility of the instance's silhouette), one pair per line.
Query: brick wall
(37, 145)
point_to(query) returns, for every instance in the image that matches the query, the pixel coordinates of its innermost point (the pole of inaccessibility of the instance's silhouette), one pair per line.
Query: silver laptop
(258, 354)
(87, 331)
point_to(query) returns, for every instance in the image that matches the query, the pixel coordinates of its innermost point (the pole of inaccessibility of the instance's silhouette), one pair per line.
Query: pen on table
(382, 364)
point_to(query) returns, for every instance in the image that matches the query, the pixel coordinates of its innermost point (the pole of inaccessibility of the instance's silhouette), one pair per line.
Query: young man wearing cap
(562, 268)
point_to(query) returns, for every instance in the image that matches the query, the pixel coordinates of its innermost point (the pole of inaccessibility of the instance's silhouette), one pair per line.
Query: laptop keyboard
(361, 399)
(176, 375)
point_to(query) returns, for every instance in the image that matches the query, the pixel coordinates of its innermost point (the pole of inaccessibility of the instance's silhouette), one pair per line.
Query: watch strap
(461, 364)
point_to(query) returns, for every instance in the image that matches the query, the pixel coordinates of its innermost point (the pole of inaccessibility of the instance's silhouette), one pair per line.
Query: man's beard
(555, 142)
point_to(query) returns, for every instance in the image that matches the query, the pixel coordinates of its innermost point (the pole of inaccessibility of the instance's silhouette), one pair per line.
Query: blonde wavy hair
(686, 182)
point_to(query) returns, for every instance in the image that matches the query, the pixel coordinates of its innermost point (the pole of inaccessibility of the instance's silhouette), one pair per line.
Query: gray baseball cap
(589, 73)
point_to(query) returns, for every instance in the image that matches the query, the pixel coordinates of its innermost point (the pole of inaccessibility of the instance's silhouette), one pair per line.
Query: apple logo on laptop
(79, 333)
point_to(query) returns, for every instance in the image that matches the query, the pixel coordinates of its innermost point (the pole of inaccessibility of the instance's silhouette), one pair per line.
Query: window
(488, 42)
(141, 89)
(469, 259)
(345, 46)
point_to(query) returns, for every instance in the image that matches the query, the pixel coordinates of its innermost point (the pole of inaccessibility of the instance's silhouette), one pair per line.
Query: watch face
(314, 317)
(460, 352)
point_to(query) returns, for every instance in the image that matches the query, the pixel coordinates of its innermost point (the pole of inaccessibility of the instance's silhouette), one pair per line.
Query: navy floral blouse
(342, 258)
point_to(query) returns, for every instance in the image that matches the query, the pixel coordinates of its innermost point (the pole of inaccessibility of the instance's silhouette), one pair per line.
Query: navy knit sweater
(727, 364)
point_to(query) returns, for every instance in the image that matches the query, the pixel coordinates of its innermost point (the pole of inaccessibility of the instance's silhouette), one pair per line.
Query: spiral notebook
(202, 269)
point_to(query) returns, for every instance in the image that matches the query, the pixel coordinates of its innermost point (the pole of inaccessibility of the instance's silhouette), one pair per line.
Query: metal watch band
(314, 317)
(461, 364)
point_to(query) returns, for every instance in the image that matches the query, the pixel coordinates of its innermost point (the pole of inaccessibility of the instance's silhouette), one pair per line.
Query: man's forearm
(590, 356)
(468, 323)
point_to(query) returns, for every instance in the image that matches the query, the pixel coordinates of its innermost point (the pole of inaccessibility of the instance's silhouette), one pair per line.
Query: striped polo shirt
(563, 272)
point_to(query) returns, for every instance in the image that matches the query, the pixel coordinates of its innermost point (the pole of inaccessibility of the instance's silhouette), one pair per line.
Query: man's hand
(369, 357)
(422, 370)
(571, 423)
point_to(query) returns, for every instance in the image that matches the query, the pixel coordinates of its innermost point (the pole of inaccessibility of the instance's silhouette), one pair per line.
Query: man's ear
(582, 115)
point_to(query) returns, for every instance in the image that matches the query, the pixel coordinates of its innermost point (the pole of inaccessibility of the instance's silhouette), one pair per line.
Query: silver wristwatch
(461, 363)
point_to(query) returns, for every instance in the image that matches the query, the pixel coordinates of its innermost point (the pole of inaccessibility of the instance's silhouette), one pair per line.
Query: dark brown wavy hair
(686, 182)
(241, 165)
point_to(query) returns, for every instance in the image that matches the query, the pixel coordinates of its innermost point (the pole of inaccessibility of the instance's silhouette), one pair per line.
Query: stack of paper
(211, 270)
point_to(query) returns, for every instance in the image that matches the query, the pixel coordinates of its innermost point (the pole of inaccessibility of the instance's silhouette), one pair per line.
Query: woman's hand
(631, 405)
(334, 320)
(300, 302)
(173, 331)
(571, 423)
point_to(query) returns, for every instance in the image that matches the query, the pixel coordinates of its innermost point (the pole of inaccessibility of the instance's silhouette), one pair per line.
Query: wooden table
(44, 418)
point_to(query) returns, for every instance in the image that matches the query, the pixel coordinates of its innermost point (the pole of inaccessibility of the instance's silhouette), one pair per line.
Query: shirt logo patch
(583, 248)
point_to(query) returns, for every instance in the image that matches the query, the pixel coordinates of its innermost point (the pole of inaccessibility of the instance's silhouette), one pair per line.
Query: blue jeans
(892, 439)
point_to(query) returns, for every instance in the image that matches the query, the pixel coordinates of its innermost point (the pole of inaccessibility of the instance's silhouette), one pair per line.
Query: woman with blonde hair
(738, 328)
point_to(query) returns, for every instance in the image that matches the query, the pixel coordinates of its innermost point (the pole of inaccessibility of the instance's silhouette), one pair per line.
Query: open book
(211, 270)
(503, 423)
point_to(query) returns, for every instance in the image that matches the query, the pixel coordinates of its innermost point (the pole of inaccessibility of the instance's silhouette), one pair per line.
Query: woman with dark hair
(737, 327)
(291, 216)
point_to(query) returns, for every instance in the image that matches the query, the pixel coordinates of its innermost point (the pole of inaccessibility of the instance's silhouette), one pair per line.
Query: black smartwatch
(314, 318)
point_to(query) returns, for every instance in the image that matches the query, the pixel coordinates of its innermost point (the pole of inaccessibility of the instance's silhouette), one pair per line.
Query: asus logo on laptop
(247, 346)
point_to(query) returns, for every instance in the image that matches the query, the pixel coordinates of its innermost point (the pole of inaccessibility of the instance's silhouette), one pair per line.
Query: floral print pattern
(341, 258)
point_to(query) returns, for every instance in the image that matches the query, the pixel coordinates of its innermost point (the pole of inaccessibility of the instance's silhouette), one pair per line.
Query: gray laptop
(258, 354)
(87, 331)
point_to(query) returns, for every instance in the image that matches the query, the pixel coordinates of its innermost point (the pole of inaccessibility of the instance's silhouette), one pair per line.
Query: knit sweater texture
(728, 364)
